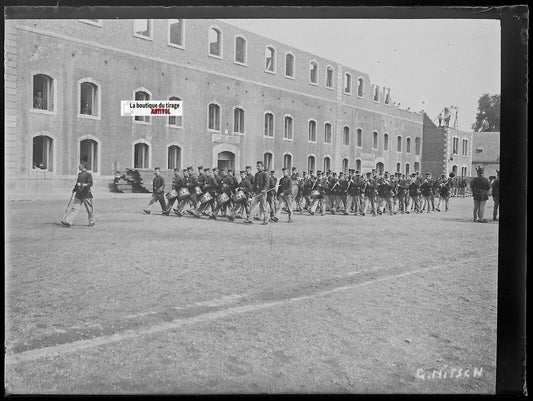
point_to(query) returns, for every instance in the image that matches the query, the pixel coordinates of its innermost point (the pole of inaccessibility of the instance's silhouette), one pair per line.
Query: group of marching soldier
(215, 193)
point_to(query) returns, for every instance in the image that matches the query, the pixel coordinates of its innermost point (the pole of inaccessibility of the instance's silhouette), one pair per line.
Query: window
(269, 124)
(310, 163)
(406, 168)
(270, 59)
(142, 95)
(454, 169)
(455, 149)
(175, 121)
(375, 140)
(465, 147)
(327, 133)
(43, 92)
(215, 42)
(408, 145)
(267, 159)
(346, 136)
(287, 130)
(417, 145)
(312, 131)
(348, 84)
(358, 164)
(287, 161)
(387, 96)
(398, 167)
(89, 154)
(141, 155)
(240, 50)
(329, 77)
(327, 164)
(214, 117)
(360, 87)
(289, 65)
(399, 145)
(376, 93)
(386, 141)
(463, 171)
(174, 157)
(417, 166)
(43, 153)
(345, 166)
(313, 72)
(142, 28)
(89, 99)
(175, 32)
(359, 138)
(238, 120)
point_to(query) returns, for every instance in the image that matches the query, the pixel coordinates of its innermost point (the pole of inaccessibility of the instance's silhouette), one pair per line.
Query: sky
(428, 64)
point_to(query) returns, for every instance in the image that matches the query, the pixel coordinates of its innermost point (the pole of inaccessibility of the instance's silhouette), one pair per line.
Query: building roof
(485, 147)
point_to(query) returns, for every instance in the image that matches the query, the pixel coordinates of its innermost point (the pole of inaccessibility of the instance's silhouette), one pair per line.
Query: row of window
(143, 28)
(455, 147)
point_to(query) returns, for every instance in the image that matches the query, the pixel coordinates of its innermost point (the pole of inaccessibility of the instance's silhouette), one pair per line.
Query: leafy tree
(488, 116)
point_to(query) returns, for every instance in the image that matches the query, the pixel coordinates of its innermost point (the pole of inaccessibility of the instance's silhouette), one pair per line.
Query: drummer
(190, 183)
(242, 197)
(209, 187)
(177, 183)
(318, 187)
(225, 193)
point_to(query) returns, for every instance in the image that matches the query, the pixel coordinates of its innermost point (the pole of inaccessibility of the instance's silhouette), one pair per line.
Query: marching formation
(215, 193)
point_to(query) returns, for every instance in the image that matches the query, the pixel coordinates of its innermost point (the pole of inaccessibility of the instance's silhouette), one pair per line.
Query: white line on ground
(56, 350)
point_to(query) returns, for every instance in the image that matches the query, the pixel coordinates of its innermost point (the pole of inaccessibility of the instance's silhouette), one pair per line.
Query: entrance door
(226, 160)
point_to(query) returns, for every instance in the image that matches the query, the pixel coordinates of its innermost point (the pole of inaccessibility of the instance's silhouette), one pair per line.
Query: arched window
(89, 97)
(175, 121)
(269, 125)
(358, 165)
(214, 117)
(387, 96)
(417, 167)
(175, 32)
(406, 168)
(346, 136)
(289, 65)
(142, 95)
(376, 93)
(311, 163)
(43, 92)
(454, 169)
(238, 120)
(348, 83)
(360, 87)
(329, 77)
(312, 131)
(408, 145)
(89, 154)
(287, 129)
(174, 157)
(417, 145)
(240, 50)
(345, 166)
(465, 147)
(267, 159)
(385, 141)
(327, 164)
(287, 161)
(398, 167)
(270, 59)
(43, 153)
(375, 140)
(313, 72)
(359, 138)
(215, 42)
(455, 149)
(327, 133)
(141, 155)
(399, 144)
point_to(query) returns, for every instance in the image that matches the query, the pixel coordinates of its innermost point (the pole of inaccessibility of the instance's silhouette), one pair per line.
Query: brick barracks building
(245, 98)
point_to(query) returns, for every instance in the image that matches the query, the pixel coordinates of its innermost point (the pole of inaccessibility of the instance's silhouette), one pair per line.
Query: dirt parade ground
(328, 304)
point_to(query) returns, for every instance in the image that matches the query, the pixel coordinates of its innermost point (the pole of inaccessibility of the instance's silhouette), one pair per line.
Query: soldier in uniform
(401, 194)
(444, 191)
(342, 194)
(271, 196)
(210, 185)
(177, 183)
(261, 182)
(426, 189)
(370, 194)
(480, 187)
(331, 192)
(352, 195)
(226, 187)
(246, 187)
(158, 194)
(320, 184)
(414, 192)
(83, 196)
(386, 194)
(284, 193)
(495, 188)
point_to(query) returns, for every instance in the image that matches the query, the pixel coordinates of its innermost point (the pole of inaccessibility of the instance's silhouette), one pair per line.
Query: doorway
(226, 160)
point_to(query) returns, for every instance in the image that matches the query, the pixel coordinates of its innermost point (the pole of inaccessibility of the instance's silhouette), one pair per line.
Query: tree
(488, 116)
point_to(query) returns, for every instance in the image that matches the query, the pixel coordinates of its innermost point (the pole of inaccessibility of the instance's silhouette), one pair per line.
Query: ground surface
(333, 304)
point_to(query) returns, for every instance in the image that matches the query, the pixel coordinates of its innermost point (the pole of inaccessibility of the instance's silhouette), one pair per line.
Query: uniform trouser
(344, 200)
(158, 197)
(316, 202)
(415, 203)
(207, 204)
(191, 200)
(271, 204)
(444, 199)
(371, 199)
(259, 199)
(75, 208)
(426, 202)
(479, 209)
(326, 201)
(355, 201)
(388, 203)
(402, 206)
(432, 201)
(307, 200)
(287, 200)
(496, 205)
(221, 206)
(238, 206)
(170, 204)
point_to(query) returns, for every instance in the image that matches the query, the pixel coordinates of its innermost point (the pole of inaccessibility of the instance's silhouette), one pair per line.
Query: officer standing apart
(83, 196)
(480, 191)
(158, 194)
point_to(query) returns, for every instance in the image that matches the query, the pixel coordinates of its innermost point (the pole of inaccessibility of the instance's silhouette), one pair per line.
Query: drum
(198, 190)
(240, 196)
(183, 193)
(205, 198)
(314, 194)
(222, 198)
(172, 194)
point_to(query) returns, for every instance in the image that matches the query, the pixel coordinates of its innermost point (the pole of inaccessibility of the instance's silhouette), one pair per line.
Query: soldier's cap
(230, 170)
(341, 173)
(200, 167)
(284, 169)
(357, 172)
(319, 172)
(248, 166)
(207, 169)
(311, 171)
(215, 168)
(184, 170)
(368, 173)
(413, 174)
(294, 168)
(176, 169)
(242, 172)
(157, 168)
(272, 172)
(189, 168)
(260, 162)
(428, 173)
(443, 175)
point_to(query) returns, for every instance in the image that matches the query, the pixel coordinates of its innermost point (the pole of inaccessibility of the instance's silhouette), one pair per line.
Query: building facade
(245, 98)
(486, 152)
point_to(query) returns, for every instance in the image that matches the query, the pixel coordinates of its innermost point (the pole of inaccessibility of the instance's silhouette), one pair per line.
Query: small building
(486, 152)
